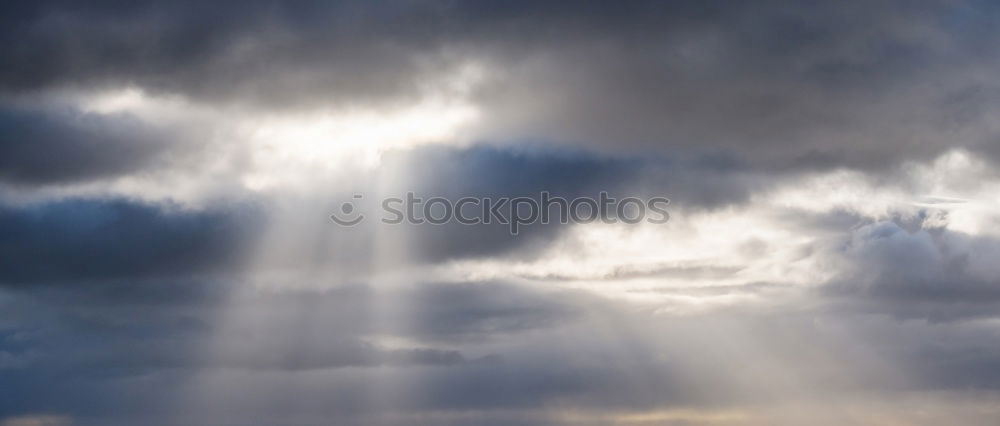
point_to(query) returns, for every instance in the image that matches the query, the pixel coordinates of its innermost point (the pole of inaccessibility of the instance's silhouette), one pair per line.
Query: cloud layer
(168, 171)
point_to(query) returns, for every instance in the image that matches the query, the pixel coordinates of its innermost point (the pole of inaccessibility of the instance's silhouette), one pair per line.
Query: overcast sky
(168, 171)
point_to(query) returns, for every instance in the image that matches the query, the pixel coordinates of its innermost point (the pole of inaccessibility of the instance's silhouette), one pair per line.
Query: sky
(168, 172)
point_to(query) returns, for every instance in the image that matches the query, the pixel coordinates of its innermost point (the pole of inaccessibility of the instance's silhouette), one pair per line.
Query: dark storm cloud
(773, 84)
(62, 145)
(75, 348)
(78, 240)
(780, 85)
(484, 172)
(257, 51)
(703, 182)
(97, 291)
(506, 352)
(83, 352)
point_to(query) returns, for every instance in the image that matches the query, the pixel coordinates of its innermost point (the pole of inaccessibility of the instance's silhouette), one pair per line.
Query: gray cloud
(776, 85)
(254, 308)
(929, 273)
(60, 145)
(79, 351)
(77, 240)
(313, 242)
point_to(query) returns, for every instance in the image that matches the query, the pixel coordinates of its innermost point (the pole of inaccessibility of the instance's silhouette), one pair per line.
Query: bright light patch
(283, 147)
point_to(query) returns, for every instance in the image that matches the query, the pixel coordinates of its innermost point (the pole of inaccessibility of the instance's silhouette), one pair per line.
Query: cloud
(250, 51)
(78, 240)
(776, 85)
(62, 145)
(168, 172)
(83, 351)
(937, 274)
